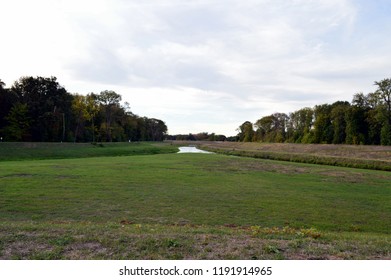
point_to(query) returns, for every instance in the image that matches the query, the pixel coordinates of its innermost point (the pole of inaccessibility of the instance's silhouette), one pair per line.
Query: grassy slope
(30, 151)
(368, 157)
(196, 189)
(191, 206)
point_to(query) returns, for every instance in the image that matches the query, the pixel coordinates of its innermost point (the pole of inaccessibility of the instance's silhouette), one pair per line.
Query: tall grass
(369, 157)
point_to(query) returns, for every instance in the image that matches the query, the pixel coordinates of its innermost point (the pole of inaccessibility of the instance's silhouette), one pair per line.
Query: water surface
(192, 150)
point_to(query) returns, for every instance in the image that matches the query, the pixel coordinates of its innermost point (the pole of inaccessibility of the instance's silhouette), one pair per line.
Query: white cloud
(200, 63)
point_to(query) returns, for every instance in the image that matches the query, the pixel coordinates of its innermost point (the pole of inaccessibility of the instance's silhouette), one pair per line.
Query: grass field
(10, 151)
(356, 156)
(187, 206)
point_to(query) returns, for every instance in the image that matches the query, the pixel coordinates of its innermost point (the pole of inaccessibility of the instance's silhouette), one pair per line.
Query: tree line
(202, 136)
(40, 109)
(366, 120)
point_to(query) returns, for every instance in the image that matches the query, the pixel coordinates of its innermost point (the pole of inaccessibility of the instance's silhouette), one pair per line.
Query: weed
(311, 232)
(271, 249)
(285, 231)
(62, 241)
(172, 243)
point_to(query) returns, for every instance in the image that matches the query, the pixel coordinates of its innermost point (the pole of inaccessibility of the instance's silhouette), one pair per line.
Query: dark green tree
(384, 93)
(323, 128)
(7, 100)
(355, 125)
(49, 105)
(338, 121)
(156, 129)
(110, 101)
(246, 132)
(300, 125)
(18, 123)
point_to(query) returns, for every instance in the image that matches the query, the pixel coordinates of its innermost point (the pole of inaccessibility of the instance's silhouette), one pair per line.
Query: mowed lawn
(196, 189)
(188, 206)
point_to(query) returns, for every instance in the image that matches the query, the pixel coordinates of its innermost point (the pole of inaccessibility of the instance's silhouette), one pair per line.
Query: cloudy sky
(202, 65)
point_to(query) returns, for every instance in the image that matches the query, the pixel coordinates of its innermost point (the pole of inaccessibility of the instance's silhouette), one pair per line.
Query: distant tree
(202, 136)
(109, 100)
(338, 121)
(48, 105)
(18, 123)
(300, 125)
(246, 132)
(156, 129)
(323, 129)
(384, 93)
(272, 128)
(80, 111)
(264, 127)
(7, 100)
(92, 110)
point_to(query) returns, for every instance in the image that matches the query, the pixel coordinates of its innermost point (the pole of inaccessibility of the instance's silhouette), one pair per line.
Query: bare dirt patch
(23, 249)
(85, 250)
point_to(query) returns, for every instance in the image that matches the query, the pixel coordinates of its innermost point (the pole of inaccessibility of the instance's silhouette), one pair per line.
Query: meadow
(143, 201)
(356, 156)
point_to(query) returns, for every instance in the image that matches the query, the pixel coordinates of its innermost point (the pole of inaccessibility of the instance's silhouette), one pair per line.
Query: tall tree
(300, 125)
(323, 129)
(384, 92)
(272, 128)
(157, 129)
(48, 104)
(92, 111)
(355, 125)
(18, 123)
(80, 111)
(109, 100)
(246, 132)
(338, 121)
(7, 100)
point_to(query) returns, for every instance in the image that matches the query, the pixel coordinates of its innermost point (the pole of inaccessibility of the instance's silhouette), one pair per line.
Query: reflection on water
(192, 150)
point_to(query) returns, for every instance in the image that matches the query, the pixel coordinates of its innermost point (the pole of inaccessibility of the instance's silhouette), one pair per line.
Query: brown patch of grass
(342, 176)
(346, 151)
(86, 250)
(368, 157)
(110, 241)
(24, 249)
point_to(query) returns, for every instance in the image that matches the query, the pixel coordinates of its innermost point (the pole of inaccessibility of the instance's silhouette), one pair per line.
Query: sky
(202, 65)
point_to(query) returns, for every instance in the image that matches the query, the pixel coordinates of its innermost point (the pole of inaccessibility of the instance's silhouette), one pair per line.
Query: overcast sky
(201, 66)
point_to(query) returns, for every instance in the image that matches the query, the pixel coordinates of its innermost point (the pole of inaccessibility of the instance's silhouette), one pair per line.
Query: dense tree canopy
(40, 109)
(366, 120)
(202, 136)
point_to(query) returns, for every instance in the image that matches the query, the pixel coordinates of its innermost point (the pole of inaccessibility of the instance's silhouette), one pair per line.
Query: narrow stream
(192, 150)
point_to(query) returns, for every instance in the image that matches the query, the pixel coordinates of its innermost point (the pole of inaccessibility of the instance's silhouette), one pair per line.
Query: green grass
(191, 206)
(31, 151)
(355, 156)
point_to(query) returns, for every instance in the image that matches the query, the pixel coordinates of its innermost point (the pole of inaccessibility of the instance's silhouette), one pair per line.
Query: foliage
(202, 136)
(246, 132)
(18, 122)
(287, 230)
(367, 120)
(52, 115)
